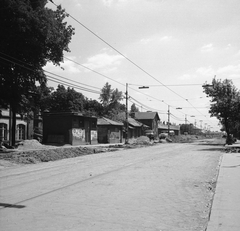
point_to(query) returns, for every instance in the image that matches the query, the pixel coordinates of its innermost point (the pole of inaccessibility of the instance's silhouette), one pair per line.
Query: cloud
(155, 39)
(238, 53)
(77, 3)
(66, 66)
(205, 71)
(104, 62)
(165, 38)
(187, 77)
(109, 3)
(230, 70)
(207, 48)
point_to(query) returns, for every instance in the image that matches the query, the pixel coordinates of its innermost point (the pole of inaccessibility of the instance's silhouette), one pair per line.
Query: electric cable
(104, 41)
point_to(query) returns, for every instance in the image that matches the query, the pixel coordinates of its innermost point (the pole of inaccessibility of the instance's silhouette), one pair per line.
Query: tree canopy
(31, 35)
(65, 100)
(225, 105)
(110, 99)
(134, 108)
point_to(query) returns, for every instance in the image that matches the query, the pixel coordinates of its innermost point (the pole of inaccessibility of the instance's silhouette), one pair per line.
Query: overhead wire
(126, 57)
(104, 41)
(54, 79)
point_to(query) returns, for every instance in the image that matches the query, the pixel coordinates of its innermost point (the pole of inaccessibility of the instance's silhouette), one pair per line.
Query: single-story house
(69, 128)
(135, 128)
(163, 128)
(109, 131)
(150, 119)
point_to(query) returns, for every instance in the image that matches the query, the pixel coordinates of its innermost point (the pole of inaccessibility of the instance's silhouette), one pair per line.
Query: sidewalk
(225, 213)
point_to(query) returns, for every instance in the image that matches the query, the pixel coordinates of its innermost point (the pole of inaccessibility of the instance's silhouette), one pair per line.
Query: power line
(54, 79)
(172, 85)
(104, 41)
(93, 71)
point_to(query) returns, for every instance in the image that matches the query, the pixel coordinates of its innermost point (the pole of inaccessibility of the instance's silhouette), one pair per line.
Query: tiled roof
(146, 115)
(106, 121)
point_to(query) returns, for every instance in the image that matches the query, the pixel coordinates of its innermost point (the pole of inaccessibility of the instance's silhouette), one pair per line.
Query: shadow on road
(212, 147)
(5, 205)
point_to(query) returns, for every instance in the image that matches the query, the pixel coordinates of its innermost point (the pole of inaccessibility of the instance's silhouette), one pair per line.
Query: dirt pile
(31, 151)
(31, 144)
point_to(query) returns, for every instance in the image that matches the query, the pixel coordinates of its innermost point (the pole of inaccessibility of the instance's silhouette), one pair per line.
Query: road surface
(167, 187)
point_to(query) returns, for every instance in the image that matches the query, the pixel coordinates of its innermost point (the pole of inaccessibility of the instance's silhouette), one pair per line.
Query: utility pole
(126, 132)
(185, 119)
(168, 120)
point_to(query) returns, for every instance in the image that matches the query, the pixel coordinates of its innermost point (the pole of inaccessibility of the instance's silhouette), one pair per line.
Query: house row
(76, 128)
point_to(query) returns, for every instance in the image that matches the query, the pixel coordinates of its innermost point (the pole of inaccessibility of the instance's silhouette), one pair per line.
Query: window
(20, 132)
(3, 131)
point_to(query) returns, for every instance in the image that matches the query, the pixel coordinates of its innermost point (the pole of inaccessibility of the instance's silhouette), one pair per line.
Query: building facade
(69, 128)
(23, 127)
(109, 131)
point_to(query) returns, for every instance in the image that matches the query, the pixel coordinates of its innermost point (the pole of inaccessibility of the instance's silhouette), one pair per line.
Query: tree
(225, 104)
(31, 35)
(93, 108)
(66, 100)
(110, 100)
(134, 108)
(105, 95)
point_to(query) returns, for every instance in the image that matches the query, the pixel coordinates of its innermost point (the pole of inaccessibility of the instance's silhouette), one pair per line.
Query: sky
(171, 46)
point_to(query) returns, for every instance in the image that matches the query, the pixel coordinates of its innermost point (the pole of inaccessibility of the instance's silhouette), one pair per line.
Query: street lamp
(143, 87)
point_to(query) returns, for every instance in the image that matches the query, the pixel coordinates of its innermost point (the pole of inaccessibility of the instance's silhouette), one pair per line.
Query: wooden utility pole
(168, 120)
(126, 132)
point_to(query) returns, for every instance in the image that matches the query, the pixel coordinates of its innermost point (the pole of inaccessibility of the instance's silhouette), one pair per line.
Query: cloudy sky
(172, 46)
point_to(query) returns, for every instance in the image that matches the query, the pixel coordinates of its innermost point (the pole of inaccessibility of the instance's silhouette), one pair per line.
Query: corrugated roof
(106, 121)
(146, 115)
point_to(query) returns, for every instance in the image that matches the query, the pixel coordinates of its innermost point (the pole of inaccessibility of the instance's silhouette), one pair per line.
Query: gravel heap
(31, 144)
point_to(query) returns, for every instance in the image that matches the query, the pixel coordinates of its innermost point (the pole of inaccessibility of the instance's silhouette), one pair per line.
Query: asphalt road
(163, 187)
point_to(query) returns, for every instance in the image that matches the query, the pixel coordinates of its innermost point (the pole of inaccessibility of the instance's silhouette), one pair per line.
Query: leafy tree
(93, 107)
(225, 105)
(134, 108)
(31, 35)
(66, 100)
(110, 100)
(105, 95)
(43, 99)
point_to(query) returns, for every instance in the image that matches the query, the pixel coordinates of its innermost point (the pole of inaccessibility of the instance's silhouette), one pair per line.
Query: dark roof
(134, 122)
(106, 121)
(171, 127)
(146, 115)
(61, 114)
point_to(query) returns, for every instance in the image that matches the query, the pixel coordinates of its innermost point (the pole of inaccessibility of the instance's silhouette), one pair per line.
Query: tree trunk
(13, 108)
(228, 139)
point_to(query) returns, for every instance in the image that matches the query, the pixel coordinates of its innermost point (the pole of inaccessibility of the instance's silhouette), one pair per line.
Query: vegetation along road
(162, 187)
